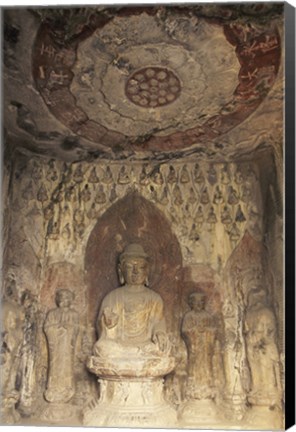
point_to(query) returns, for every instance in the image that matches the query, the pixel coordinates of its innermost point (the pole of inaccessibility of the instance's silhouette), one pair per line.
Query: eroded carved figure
(61, 330)
(262, 352)
(29, 353)
(10, 356)
(200, 334)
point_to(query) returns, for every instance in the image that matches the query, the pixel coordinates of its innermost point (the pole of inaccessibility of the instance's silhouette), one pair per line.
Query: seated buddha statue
(132, 355)
(131, 322)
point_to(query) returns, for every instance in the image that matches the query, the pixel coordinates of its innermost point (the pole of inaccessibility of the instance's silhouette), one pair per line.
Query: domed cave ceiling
(140, 82)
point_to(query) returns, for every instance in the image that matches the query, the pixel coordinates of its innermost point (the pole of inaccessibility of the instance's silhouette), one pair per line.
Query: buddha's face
(64, 298)
(197, 303)
(135, 271)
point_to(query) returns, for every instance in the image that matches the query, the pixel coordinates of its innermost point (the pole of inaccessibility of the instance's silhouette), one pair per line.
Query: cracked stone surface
(225, 70)
(195, 178)
(102, 96)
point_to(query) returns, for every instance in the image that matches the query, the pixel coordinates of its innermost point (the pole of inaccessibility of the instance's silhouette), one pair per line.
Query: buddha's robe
(137, 317)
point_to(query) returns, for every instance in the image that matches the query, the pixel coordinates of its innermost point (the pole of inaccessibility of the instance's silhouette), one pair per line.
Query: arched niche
(247, 264)
(134, 219)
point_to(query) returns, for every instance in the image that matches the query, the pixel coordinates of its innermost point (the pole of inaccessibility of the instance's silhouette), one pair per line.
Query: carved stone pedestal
(131, 392)
(197, 413)
(55, 413)
(8, 413)
(264, 417)
(132, 402)
(233, 408)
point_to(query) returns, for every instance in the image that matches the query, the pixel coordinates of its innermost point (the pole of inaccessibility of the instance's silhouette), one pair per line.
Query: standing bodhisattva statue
(61, 329)
(200, 334)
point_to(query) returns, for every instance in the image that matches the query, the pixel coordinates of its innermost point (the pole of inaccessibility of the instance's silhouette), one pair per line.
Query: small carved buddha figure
(226, 218)
(157, 177)
(66, 232)
(194, 233)
(198, 175)
(123, 177)
(211, 219)
(240, 217)
(93, 178)
(172, 176)
(204, 198)
(37, 172)
(131, 322)
(85, 194)
(93, 212)
(232, 196)
(177, 194)
(78, 174)
(61, 330)
(199, 217)
(212, 175)
(199, 333)
(184, 176)
(238, 176)
(144, 177)
(78, 217)
(225, 177)
(51, 174)
(107, 177)
(42, 195)
(218, 196)
(100, 197)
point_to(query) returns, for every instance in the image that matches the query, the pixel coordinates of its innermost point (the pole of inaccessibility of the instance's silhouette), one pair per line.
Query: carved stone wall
(207, 229)
(160, 127)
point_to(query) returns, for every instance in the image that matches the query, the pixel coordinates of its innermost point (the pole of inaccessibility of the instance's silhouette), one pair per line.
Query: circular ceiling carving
(153, 84)
(152, 87)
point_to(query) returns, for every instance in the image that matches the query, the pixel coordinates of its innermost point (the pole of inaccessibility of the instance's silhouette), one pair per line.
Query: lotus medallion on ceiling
(153, 87)
(156, 84)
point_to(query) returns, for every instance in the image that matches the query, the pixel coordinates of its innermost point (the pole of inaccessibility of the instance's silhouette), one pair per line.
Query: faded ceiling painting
(143, 150)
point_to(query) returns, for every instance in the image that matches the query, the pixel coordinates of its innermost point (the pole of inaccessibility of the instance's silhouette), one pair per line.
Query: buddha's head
(197, 301)
(133, 265)
(64, 298)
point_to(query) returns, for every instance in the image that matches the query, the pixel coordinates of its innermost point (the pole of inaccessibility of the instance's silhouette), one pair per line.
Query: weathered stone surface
(228, 66)
(198, 182)
(106, 62)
